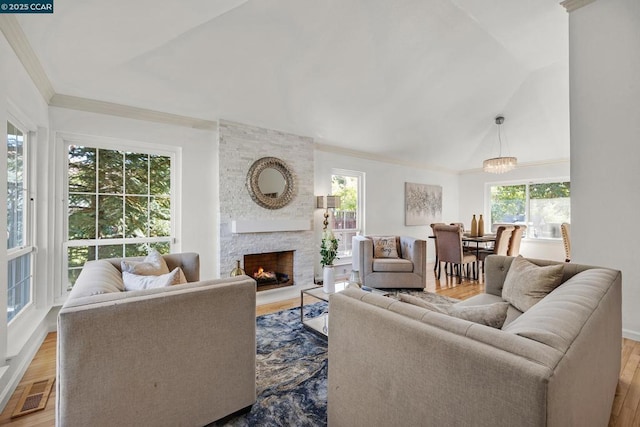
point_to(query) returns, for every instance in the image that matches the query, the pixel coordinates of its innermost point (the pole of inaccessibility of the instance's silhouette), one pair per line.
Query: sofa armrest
(365, 252)
(415, 250)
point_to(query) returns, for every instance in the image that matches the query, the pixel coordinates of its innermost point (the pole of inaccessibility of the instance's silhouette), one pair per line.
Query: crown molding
(18, 41)
(379, 158)
(129, 112)
(572, 5)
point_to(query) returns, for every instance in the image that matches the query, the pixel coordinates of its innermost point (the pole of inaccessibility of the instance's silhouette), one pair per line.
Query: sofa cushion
(492, 315)
(152, 265)
(135, 282)
(486, 299)
(97, 277)
(384, 247)
(527, 283)
(392, 264)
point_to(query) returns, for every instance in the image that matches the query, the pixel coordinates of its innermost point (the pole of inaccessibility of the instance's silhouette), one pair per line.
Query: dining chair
(565, 229)
(504, 235)
(435, 266)
(449, 248)
(516, 238)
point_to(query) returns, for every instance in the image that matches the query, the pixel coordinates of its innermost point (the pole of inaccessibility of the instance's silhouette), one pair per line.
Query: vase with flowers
(328, 254)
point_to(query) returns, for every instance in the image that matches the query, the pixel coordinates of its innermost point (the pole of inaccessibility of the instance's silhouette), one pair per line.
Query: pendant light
(499, 164)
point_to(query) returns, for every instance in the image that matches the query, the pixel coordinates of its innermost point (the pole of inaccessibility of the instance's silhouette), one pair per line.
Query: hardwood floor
(625, 412)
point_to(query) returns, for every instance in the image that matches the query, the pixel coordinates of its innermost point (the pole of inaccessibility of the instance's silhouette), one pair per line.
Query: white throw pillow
(152, 265)
(136, 282)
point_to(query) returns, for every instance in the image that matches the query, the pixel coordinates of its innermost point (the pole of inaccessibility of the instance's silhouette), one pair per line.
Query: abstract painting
(423, 204)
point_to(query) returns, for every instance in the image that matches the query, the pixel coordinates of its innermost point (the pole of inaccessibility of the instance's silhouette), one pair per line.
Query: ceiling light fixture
(499, 164)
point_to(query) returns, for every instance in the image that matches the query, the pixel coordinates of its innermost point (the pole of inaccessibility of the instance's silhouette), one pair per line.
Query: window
(19, 244)
(542, 206)
(347, 219)
(119, 204)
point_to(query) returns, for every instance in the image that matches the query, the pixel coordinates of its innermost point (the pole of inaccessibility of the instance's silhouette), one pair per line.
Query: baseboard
(632, 335)
(18, 365)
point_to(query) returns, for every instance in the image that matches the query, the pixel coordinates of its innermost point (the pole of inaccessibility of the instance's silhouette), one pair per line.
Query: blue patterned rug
(291, 373)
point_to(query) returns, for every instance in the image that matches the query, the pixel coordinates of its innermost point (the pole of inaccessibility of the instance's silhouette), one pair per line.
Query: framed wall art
(422, 204)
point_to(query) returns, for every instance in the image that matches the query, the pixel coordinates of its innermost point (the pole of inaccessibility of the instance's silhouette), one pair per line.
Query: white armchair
(407, 270)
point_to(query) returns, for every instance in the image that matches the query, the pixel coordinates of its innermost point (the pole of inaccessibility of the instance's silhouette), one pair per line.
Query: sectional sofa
(555, 364)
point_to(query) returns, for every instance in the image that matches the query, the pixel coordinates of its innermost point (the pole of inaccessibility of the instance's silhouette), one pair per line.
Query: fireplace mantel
(269, 225)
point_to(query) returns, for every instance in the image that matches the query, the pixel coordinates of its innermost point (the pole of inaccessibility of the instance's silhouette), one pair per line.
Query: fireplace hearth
(270, 270)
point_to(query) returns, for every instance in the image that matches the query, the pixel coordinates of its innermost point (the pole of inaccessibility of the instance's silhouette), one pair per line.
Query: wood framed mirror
(270, 183)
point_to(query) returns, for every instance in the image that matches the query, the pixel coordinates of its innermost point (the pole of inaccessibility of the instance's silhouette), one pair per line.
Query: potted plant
(328, 253)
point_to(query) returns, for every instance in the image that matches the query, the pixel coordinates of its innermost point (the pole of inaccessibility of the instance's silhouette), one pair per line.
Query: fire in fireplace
(270, 270)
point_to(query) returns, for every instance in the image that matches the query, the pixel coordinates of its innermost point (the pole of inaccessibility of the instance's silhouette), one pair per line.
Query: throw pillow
(136, 282)
(384, 247)
(493, 315)
(152, 265)
(527, 283)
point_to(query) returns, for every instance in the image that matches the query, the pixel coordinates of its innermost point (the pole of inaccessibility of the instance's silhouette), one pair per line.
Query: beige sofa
(180, 355)
(409, 270)
(556, 364)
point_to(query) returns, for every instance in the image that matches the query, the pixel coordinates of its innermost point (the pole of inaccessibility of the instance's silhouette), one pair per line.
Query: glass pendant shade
(499, 164)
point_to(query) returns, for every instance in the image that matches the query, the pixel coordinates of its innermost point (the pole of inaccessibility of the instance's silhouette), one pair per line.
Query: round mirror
(270, 183)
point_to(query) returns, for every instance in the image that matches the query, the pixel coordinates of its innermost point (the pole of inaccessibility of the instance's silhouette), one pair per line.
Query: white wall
(604, 43)
(384, 193)
(473, 189)
(199, 175)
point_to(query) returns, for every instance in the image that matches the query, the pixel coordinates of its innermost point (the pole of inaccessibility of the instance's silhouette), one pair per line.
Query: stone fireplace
(270, 270)
(247, 228)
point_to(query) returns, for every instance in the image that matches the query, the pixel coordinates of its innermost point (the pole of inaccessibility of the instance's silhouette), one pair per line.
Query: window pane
(82, 169)
(160, 217)
(78, 255)
(110, 174)
(550, 206)
(160, 175)
(18, 285)
(137, 173)
(508, 204)
(82, 216)
(16, 213)
(345, 217)
(110, 213)
(110, 251)
(136, 216)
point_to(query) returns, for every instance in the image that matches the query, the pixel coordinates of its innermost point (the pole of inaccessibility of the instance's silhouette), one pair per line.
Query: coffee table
(320, 324)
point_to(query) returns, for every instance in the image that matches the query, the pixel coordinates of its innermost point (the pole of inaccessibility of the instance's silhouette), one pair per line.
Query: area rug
(291, 369)
(291, 373)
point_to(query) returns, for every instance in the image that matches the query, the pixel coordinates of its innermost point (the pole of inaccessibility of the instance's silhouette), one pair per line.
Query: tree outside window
(541, 206)
(119, 204)
(346, 218)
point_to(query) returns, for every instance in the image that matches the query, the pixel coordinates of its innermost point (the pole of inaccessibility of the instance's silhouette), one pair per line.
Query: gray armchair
(409, 270)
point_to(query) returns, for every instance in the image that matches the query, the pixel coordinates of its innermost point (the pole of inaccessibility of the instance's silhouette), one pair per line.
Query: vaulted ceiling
(415, 80)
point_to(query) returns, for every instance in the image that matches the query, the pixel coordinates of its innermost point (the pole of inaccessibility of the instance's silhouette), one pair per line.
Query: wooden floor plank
(624, 413)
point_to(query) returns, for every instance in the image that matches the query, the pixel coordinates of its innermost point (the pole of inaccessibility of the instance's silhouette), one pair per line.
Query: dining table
(480, 242)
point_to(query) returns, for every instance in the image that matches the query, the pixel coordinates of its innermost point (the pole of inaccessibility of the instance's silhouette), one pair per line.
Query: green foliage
(114, 195)
(346, 188)
(507, 201)
(328, 248)
(552, 190)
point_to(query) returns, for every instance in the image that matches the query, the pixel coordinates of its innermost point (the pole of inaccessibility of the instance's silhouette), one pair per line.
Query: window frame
(63, 140)
(28, 246)
(360, 215)
(527, 183)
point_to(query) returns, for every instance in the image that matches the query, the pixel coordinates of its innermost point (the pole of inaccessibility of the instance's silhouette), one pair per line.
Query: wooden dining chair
(565, 229)
(504, 234)
(516, 238)
(449, 247)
